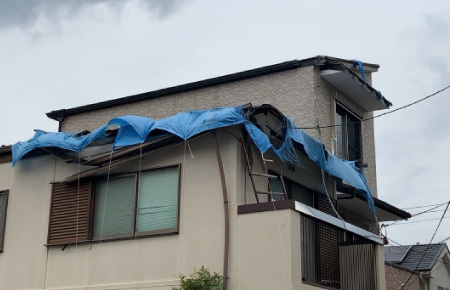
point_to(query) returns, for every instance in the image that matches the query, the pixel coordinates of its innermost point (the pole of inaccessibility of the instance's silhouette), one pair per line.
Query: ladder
(268, 176)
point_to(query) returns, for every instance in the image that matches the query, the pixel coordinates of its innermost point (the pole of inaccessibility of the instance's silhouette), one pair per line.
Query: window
(134, 204)
(3, 207)
(127, 205)
(293, 190)
(348, 135)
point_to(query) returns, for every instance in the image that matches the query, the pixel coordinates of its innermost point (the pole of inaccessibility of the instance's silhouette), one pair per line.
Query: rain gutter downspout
(60, 120)
(225, 209)
(423, 280)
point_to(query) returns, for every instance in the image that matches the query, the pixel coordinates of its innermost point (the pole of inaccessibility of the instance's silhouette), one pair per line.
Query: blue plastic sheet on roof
(361, 69)
(135, 129)
(343, 169)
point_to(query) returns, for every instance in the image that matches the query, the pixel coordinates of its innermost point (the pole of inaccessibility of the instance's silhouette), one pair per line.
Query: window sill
(266, 206)
(105, 240)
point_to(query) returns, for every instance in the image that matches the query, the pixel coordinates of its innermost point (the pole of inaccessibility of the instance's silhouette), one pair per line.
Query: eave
(385, 211)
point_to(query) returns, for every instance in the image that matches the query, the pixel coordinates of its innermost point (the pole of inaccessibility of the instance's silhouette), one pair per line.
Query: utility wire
(422, 206)
(377, 116)
(423, 255)
(414, 215)
(412, 222)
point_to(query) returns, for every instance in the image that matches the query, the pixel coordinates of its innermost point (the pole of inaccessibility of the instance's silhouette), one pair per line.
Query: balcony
(319, 250)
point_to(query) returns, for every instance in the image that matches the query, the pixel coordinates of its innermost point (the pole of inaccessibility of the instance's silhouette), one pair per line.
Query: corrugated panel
(70, 213)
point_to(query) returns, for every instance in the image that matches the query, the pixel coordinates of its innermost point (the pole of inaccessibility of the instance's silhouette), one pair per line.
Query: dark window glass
(294, 191)
(348, 135)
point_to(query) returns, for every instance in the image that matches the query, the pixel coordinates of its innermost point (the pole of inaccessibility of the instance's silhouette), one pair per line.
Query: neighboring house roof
(325, 61)
(414, 257)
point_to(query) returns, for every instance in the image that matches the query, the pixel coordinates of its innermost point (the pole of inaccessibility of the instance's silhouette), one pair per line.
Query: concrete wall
(301, 94)
(269, 250)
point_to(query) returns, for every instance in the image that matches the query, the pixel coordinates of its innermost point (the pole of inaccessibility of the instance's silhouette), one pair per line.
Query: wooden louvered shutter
(70, 213)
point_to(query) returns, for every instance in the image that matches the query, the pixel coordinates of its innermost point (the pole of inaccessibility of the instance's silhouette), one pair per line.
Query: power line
(419, 213)
(423, 255)
(412, 222)
(377, 116)
(421, 252)
(422, 206)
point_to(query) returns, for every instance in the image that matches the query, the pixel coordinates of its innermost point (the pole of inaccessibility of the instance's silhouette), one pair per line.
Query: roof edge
(59, 115)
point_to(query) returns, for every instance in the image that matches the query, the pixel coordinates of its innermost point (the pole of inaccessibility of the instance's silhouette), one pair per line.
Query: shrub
(201, 280)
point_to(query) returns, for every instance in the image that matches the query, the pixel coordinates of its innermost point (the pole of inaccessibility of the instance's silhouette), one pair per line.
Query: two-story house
(279, 196)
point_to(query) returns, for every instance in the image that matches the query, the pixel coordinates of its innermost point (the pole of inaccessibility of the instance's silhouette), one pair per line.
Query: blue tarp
(135, 129)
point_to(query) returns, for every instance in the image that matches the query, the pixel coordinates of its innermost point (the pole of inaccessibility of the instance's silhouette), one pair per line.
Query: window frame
(5, 193)
(343, 111)
(289, 194)
(136, 234)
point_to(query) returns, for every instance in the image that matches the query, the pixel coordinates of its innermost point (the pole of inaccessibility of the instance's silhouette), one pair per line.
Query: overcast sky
(62, 54)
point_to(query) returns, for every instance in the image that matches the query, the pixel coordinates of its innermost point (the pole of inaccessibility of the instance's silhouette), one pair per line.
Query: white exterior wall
(440, 274)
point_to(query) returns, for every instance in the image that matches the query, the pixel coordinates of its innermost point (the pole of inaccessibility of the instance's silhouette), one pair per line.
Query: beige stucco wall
(22, 264)
(156, 261)
(142, 263)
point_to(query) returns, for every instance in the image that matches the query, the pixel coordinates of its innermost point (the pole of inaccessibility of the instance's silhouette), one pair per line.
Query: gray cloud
(24, 13)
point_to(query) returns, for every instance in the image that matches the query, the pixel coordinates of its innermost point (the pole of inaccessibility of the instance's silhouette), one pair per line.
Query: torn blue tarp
(343, 169)
(134, 130)
(361, 69)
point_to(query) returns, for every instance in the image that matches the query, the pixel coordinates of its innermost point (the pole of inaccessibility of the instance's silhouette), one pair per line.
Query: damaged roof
(137, 130)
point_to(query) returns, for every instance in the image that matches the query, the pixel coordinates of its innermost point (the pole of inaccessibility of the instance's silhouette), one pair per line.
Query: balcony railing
(335, 258)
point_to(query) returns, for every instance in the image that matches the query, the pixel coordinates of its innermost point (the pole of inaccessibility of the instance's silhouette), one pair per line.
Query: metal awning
(384, 210)
(354, 88)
